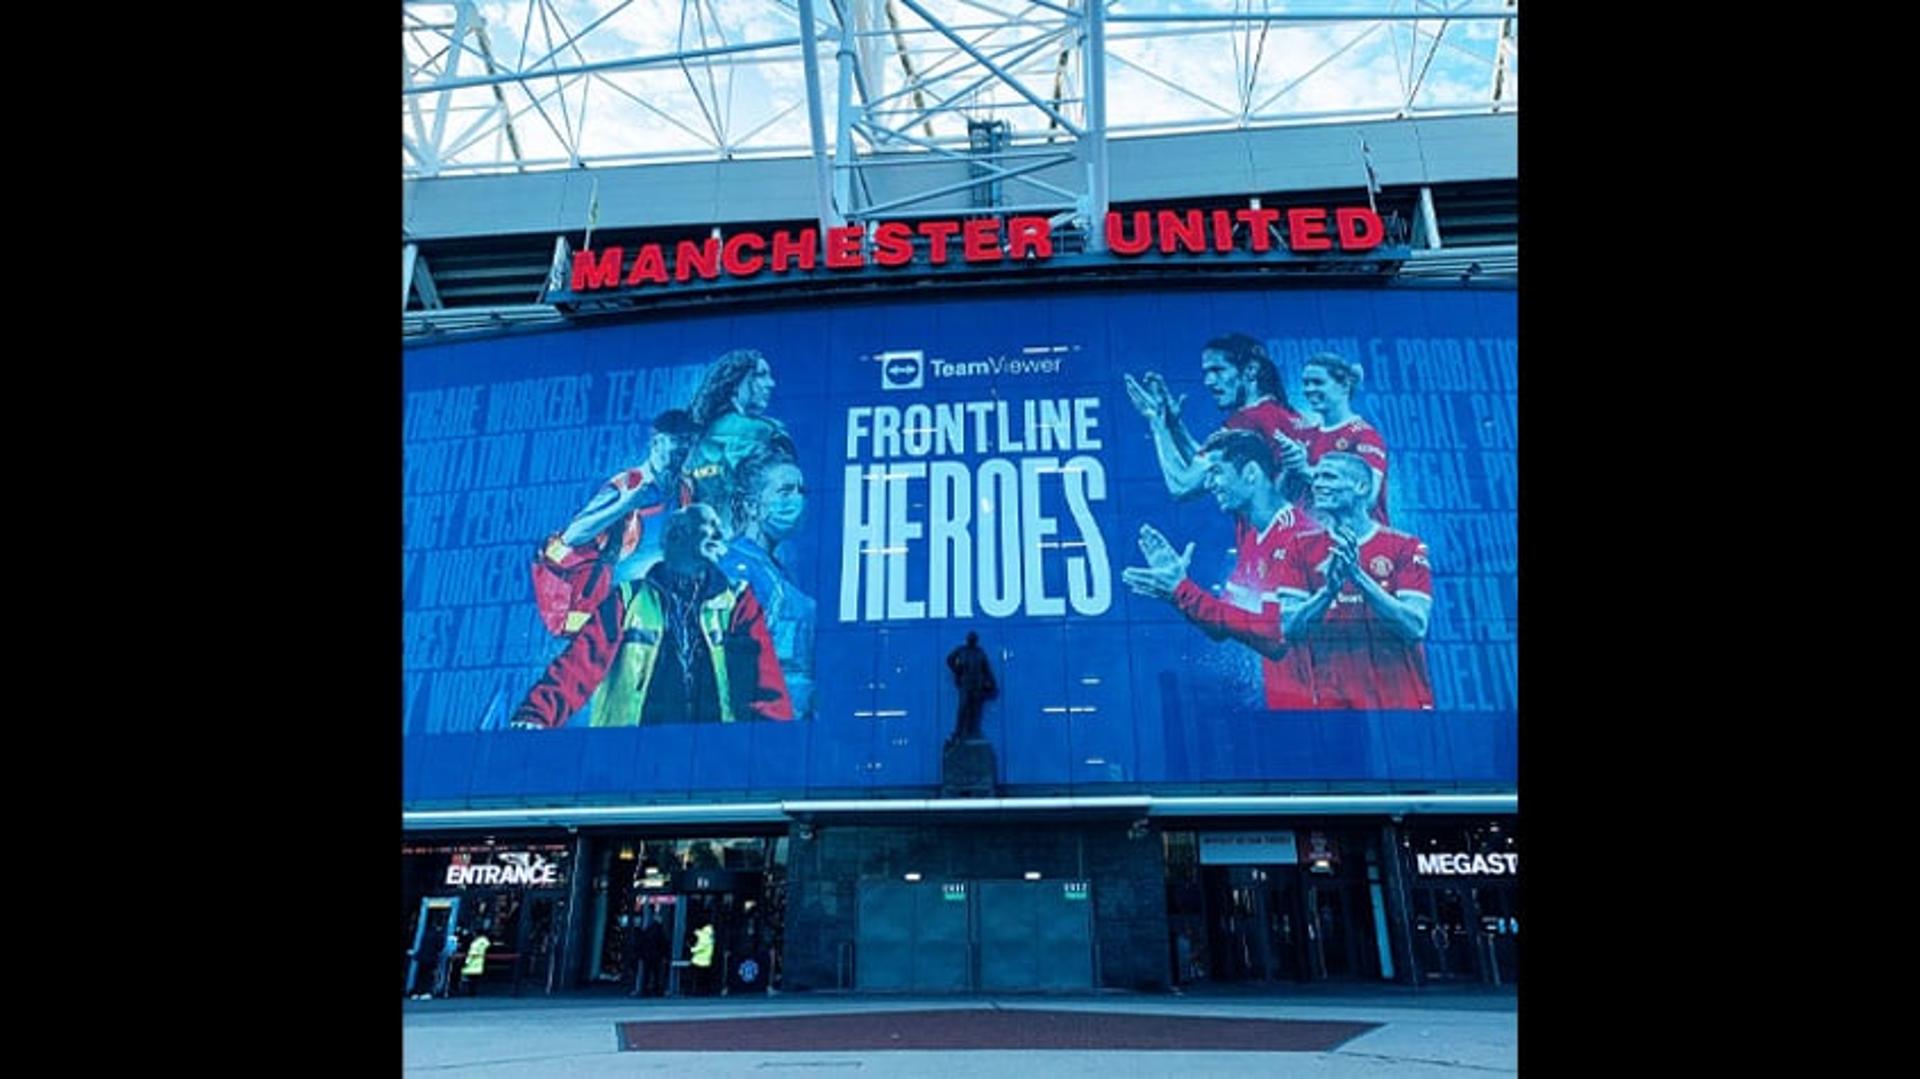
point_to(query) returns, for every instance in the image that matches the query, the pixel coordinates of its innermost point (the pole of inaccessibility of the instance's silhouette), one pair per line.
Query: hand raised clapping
(1155, 400)
(1165, 567)
(1343, 560)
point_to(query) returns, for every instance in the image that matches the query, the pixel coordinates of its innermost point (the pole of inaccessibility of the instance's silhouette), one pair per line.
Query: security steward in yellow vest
(476, 964)
(680, 645)
(702, 957)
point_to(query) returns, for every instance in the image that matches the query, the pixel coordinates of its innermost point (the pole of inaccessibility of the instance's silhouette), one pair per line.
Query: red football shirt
(1356, 660)
(1250, 613)
(1355, 436)
(1271, 419)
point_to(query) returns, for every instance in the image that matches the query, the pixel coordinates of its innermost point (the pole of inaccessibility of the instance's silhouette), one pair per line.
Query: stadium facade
(1217, 457)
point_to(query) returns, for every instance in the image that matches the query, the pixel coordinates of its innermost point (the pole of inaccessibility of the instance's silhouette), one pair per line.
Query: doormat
(985, 1028)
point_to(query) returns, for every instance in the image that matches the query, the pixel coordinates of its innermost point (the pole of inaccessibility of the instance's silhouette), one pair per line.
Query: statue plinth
(968, 769)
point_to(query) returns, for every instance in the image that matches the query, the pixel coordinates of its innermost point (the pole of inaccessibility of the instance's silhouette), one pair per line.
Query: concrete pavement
(1424, 1034)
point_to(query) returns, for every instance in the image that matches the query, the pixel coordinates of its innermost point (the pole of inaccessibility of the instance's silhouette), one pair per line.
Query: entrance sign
(1248, 848)
(512, 868)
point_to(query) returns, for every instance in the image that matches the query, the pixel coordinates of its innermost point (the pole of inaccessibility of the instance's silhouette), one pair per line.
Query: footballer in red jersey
(1356, 597)
(1243, 381)
(1327, 383)
(1243, 474)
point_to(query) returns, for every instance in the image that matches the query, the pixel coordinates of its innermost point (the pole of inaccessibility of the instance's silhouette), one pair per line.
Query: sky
(753, 103)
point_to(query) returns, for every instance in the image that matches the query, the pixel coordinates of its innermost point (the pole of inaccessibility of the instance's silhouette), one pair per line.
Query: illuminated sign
(1468, 865)
(977, 241)
(513, 867)
(1248, 848)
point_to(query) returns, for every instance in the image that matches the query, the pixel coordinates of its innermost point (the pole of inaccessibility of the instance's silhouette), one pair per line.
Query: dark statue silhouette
(973, 677)
(967, 764)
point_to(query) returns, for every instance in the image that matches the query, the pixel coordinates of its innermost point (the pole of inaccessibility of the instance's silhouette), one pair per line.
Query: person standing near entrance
(653, 958)
(630, 947)
(702, 958)
(476, 963)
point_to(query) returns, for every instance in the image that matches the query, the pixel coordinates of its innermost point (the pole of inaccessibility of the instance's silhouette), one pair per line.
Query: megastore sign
(1467, 865)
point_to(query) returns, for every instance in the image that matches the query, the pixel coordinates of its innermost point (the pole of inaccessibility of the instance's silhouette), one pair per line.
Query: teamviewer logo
(903, 370)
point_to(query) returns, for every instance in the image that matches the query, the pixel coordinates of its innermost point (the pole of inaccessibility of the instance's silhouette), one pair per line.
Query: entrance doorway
(1442, 935)
(1340, 941)
(426, 956)
(1464, 895)
(733, 886)
(542, 929)
(1256, 925)
(1499, 909)
(1272, 910)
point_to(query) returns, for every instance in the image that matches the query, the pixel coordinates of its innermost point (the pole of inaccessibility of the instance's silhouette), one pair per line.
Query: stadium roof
(528, 120)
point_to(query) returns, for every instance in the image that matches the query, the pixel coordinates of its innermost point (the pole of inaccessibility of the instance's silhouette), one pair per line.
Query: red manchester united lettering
(981, 241)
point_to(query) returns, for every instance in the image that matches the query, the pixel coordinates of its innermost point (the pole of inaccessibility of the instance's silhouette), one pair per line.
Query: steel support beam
(1502, 55)
(1015, 84)
(1020, 51)
(1093, 57)
(423, 284)
(1348, 16)
(462, 22)
(817, 128)
(949, 189)
(414, 275)
(674, 57)
(1429, 221)
(1000, 172)
(845, 153)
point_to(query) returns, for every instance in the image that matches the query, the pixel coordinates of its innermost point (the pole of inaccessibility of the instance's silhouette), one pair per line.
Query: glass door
(1500, 930)
(1254, 932)
(1340, 926)
(1443, 941)
(1281, 901)
(542, 928)
(427, 960)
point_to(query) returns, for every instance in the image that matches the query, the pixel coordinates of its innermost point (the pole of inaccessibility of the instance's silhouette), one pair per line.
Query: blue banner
(1201, 537)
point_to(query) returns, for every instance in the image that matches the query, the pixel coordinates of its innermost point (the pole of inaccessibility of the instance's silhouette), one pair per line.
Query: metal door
(1063, 946)
(883, 938)
(954, 936)
(1009, 929)
(941, 952)
(1035, 935)
(913, 937)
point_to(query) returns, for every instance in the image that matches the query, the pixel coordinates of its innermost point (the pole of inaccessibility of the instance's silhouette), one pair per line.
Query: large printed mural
(1255, 537)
